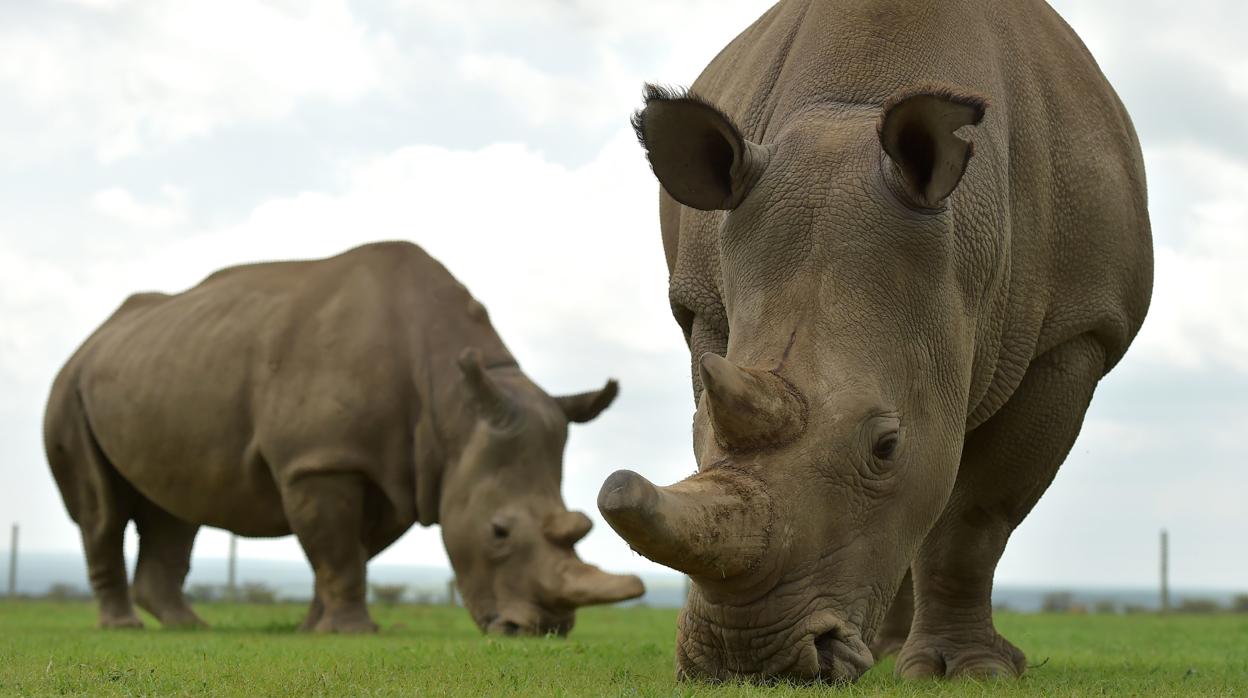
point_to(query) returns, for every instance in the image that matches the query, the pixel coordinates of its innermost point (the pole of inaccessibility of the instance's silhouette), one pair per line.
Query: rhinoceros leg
(375, 540)
(896, 627)
(316, 609)
(1007, 463)
(326, 512)
(165, 544)
(102, 534)
(100, 502)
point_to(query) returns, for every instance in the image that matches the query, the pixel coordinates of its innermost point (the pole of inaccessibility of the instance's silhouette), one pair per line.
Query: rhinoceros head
(829, 419)
(507, 531)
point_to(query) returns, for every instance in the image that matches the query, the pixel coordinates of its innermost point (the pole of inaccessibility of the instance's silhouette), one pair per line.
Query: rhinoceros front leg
(326, 512)
(896, 627)
(316, 610)
(1007, 463)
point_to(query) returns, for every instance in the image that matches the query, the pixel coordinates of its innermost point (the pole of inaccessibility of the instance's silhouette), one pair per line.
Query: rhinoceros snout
(513, 627)
(829, 652)
(841, 658)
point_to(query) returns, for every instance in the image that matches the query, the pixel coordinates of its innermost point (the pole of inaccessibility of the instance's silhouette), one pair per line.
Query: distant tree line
(1064, 602)
(255, 593)
(393, 594)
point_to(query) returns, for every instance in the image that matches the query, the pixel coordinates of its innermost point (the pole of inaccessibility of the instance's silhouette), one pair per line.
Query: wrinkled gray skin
(342, 400)
(906, 239)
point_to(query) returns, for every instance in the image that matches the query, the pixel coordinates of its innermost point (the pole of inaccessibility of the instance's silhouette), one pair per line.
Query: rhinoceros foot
(182, 619)
(887, 645)
(170, 609)
(350, 622)
(125, 621)
(988, 656)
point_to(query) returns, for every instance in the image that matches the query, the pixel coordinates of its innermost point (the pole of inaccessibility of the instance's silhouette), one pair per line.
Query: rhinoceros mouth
(823, 649)
(842, 656)
(560, 626)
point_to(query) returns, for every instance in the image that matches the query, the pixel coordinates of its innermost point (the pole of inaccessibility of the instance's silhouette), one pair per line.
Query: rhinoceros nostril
(511, 628)
(841, 659)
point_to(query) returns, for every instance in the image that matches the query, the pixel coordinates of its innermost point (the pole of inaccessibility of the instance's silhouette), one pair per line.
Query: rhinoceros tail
(82, 471)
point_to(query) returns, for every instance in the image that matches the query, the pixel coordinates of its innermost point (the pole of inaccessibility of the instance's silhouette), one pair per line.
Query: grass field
(53, 648)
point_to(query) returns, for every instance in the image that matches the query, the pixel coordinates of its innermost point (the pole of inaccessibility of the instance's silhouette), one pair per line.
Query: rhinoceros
(906, 239)
(342, 399)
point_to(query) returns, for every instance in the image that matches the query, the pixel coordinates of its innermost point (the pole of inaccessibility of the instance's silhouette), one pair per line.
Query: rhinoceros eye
(500, 544)
(884, 437)
(886, 446)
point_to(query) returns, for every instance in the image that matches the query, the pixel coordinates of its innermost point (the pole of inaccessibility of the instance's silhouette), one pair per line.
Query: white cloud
(609, 50)
(567, 260)
(612, 20)
(1124, 481)
(117, 78)
(1179, 67)
(1199, 312)
(106, 5)
(502, 217)
(120, 205)
(542, 98)
(1209, 32)
(123, 78)
(33, 292)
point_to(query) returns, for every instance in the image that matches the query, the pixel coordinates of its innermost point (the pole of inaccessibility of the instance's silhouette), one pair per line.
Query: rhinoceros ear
(583, 407)
(918, 132)
(697, 153)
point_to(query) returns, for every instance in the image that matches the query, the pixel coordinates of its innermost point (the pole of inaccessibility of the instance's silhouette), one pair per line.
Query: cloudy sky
(145, 144)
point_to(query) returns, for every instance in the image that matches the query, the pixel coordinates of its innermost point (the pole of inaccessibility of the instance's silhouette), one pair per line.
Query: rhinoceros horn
(492, 403)
(714, 524)
(566, 528)
(748, 408)
(582, 584)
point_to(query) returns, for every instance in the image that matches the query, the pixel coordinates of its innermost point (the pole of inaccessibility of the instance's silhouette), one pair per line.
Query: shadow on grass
(272, 628)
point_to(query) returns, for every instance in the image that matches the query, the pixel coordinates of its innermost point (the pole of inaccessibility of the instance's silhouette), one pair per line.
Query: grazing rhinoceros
(343, 400)
(894, 341)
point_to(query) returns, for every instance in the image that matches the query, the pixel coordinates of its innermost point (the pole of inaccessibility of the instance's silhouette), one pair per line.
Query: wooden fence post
(1165, 571)
(231, 571)
(13, 564)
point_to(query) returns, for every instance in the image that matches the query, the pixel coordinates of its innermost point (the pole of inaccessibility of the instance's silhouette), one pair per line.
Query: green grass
(52, 648)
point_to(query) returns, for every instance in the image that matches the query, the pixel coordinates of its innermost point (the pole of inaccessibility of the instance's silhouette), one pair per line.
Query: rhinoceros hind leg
(326, 512)
(165, 544)
(100, 502)
(106, 567)
(1007, 463)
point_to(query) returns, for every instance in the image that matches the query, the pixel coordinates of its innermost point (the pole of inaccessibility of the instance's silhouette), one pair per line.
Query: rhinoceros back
(1052, 211)
(204, 401)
